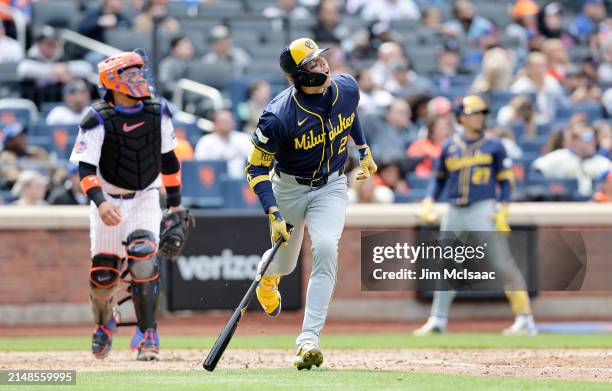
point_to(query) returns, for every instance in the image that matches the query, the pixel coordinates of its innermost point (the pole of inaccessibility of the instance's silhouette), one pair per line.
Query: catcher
(125, 153)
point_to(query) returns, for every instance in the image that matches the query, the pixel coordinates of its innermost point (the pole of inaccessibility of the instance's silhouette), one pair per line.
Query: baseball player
(125, 153)
(305, 130)
(472, 165)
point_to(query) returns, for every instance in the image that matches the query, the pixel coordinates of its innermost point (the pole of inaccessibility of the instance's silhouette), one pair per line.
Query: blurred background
(544, 67)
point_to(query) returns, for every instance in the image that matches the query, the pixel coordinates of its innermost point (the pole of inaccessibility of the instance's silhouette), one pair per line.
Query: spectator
(419, 107)
(433, 20)
(108, 16)
(579, 161)
(467, 23)
(44, 63)
(387, 10)
(557, 56)
(174, 67)
(578, 86)
(604, 194)
(183, 150)
(389, 54)
(156, 9)
(550, 23)
(587, 22)
(250, 110)
(225, 52)
(389, 138)
(448, 62)
(286, 8)
(30, 189)
(508, 140)
(524, 21)
(430, 148)
(76, 103)
(336, 59)
(519, 111)
(556, 140)
(367, 191)
(16, 149)
(329, 27)
(603, 130)
(405, 82)
(10, 50)
(604, 72)
(372, 98)
(534, 79)
(69, 191)
(391, 176)
(225, 143)
(496, 73)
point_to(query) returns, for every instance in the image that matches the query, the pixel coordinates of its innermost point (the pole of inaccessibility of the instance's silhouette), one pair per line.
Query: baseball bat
(228, 331)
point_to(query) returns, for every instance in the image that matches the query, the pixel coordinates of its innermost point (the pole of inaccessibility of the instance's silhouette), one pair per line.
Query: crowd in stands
(544, 67)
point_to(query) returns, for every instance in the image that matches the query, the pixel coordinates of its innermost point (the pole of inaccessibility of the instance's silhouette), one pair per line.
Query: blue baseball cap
(12, 130)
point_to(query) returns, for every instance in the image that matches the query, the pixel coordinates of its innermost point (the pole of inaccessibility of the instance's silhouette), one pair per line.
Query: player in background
(472, 165)
(305, 130)
(125, 153)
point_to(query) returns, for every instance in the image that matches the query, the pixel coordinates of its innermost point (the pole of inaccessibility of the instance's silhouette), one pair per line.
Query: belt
(127, 196)
(312, 182)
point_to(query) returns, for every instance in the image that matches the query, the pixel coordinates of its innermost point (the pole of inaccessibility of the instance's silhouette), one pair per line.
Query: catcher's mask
(133, 83)
(299, 53)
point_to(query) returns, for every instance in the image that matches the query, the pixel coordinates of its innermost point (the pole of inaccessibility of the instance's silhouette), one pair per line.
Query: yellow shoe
(268, 295)
(307, 356)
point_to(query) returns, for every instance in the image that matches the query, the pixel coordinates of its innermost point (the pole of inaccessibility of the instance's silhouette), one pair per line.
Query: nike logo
(129, 128)
(302, 121)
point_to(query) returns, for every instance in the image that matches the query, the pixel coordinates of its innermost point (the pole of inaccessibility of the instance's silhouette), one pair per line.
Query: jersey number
(342, 144)
(481, 175)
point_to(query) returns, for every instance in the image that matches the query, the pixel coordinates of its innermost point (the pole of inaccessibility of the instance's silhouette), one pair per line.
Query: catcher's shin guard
(142, 264)
(103, 280)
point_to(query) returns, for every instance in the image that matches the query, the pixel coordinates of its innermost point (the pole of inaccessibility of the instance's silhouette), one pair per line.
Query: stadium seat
(238, 194)
(593, 110)
(129, 40)
(533, 144)
(551, 189)
(18, 109)
(221, 8)
(56, 13)
(417, 182)
(189, 132)
(214, 75)
(63, 138)
(414, 195)
(201, 183)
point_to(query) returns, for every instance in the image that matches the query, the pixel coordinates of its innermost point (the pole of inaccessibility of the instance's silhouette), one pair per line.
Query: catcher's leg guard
(142, 264)
(103, 279)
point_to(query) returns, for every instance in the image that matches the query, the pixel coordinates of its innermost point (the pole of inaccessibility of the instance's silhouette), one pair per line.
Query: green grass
(319, 380)
(366, 341)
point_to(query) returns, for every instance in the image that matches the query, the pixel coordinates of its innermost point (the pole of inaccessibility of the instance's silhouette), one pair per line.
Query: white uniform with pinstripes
(141, 212)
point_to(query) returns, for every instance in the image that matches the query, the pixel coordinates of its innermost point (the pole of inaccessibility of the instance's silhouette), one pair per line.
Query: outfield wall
(44, 264)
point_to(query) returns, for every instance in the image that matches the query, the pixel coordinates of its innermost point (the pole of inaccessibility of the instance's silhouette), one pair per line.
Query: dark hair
(175, 41)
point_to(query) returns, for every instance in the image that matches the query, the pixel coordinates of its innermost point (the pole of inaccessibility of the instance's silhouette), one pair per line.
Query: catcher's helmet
(472, 104)
(110, 70)
(299, 53)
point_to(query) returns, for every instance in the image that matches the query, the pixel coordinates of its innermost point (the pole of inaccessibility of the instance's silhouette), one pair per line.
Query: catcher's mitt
(174, 232)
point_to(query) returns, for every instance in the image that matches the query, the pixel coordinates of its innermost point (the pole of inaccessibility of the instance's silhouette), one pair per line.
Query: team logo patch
(80, 146)
(309, 44)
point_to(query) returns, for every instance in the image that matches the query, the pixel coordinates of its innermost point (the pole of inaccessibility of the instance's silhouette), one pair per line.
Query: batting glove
(501, 219)
(279, 227)
(366, 162)
(428, 214)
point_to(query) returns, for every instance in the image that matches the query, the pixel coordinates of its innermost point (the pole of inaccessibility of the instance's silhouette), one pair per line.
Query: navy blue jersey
(308, 133)
(472, 169)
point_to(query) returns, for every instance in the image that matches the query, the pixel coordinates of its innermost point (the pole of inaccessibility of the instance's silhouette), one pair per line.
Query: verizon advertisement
(219, 263)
